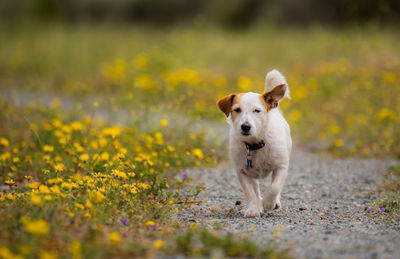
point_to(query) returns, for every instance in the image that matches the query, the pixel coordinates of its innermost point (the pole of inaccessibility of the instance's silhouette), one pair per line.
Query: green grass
(387, 207)
(345, 83)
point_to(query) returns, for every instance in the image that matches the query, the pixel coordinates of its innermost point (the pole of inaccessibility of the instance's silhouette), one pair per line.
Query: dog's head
(248, 112)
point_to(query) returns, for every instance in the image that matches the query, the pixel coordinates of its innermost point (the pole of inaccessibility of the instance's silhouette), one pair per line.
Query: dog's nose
(246, 127)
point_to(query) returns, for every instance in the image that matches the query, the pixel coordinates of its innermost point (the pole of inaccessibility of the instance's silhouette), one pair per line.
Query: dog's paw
(268, 205)
(252, 213)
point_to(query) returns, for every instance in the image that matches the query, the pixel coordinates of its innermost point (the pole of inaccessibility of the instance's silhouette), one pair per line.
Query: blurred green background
(341, 59)
(231, 13)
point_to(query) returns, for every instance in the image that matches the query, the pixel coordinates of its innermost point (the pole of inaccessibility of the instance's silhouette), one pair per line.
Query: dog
(259, 141)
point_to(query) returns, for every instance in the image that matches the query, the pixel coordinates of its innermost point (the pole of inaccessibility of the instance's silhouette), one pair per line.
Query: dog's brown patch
(225, 103)
(271, 98)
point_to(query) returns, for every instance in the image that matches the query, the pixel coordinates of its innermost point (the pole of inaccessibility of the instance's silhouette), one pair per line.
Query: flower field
(76, 184)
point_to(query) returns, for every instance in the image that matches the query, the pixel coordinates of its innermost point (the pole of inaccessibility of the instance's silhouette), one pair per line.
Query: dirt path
(323, 213)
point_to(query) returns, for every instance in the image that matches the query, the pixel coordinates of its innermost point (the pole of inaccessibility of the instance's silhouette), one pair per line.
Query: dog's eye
(257, 110)
(238, 110)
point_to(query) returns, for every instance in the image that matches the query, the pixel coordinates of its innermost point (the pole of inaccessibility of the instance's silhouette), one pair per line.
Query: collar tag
(252, 147)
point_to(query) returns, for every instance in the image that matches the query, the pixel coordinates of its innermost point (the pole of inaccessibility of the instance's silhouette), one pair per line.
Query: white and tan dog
(259, 141)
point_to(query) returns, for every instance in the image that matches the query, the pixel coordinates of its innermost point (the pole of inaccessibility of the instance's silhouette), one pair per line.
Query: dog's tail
(274, 78)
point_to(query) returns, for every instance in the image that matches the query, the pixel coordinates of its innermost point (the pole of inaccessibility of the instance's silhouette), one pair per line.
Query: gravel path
(322, 214)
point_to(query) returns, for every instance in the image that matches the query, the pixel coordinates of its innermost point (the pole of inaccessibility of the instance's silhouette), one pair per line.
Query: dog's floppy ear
(273, 97)
(225, 103)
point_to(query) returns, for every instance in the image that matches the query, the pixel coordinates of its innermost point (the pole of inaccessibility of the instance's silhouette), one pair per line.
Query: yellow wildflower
(4, 142)
(76, 125)
(244, 83)
(114, 237)
(59, 167)
(339, 142)
(158, 244)
(48, 148)
(55, 180)
(150, 223)
(55, 189)
(35, 227)
(163, 122)
(36, 200)
(84, 157)
(112, 132)
(198, 153)
(47, 255)
(9, 182)
(75, 249)
(96, 196)
(33, 185)
(44, 189)
(11, 196)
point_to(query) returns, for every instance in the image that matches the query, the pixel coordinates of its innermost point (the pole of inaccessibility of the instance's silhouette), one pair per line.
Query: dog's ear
(272, 98)
(225, 103)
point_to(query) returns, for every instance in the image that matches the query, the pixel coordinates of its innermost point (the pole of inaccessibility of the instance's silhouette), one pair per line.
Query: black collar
(256, 146)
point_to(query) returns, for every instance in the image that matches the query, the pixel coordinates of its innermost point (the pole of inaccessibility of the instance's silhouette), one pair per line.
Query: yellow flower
(7, 254)
(390, 77)
(47, 255)
(36, 200)
(15, 160)
(198, 153)
(44, 189)
(171, 148)
(35, 227)
(114, 237)
(339, 142)
(244, 83)
(76, 125)
(105, 156)
(55, 180)
(4, 142)
(159, 138)
(79, 206)
(385, 113)
(88, 204)
(55, 189)
(59, 167)
(112, 132)
(150, 223)
(163, 122)
(11, 196)
(335, 129)
(96, 196)
(84, 157)
(33, 185)
(75, 249)
(48, 148)
(158, 244)
(102, 142)
(9, 182)
(144, 81)
(119, 174)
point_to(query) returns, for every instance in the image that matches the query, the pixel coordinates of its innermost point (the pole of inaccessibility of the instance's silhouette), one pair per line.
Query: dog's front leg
(249, 186)
(271, 196)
